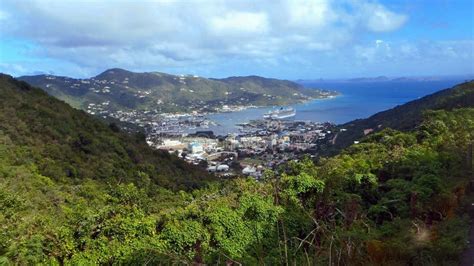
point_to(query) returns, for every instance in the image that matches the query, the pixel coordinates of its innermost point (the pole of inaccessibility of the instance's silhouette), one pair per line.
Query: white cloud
(160, 34)
(380, 19)
(382, 52)
(12, 68)
(240, 23)
(304, 13)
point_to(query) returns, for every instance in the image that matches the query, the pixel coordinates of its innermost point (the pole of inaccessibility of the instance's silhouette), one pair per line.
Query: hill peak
(114, 72)
(127, 90)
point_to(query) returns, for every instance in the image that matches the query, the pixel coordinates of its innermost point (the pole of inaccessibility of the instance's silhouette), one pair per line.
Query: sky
(289, 39)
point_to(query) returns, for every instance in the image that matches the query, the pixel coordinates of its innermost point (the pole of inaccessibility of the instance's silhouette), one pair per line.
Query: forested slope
(67, 143)
(394, 199)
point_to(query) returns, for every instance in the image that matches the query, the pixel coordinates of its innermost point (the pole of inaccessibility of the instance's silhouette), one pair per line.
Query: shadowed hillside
(67, 143)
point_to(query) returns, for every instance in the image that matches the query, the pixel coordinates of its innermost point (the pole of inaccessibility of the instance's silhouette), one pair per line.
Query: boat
(280, 114)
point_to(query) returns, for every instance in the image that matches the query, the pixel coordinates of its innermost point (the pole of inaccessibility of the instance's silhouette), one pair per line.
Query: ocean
(357, 100)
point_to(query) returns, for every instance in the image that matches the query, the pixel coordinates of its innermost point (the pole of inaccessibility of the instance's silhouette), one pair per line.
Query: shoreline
(239, 108)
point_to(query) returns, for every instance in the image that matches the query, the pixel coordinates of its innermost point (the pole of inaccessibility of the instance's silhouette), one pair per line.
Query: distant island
(121, 90)
(466, 77)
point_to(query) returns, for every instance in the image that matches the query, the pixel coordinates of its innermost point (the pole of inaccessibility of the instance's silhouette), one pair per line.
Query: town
(258, 144)
(261, 144)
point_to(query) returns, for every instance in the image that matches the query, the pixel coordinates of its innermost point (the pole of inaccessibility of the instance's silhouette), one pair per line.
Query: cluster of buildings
(262, 144)
(259, 145)
(98, 109)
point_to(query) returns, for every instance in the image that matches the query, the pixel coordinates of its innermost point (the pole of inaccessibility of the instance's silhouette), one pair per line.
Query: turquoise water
(357, 100)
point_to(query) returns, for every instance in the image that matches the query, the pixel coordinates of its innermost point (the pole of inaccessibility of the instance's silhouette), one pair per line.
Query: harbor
(249, 149)
(245, 137)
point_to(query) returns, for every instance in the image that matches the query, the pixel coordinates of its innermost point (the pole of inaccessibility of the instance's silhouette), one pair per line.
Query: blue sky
(291, 39)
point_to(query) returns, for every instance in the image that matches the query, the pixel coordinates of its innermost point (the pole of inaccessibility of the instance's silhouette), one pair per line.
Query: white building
(195, 147)
(218, 168)
(169, 144)
(249, 170)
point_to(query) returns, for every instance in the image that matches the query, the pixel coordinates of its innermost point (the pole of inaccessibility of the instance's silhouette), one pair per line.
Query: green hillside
(63, 142)
(404, 117)
(125, 90)
(73, 191)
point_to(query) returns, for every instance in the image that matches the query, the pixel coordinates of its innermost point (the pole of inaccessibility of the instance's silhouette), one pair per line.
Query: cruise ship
(282, 113)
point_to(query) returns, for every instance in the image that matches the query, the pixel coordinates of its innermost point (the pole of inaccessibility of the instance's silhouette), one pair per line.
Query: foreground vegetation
(394, 198)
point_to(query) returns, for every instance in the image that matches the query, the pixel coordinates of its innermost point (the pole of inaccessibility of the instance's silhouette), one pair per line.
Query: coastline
(239, 108)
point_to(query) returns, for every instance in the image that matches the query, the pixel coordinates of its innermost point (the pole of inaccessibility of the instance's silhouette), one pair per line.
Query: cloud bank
(196, 36)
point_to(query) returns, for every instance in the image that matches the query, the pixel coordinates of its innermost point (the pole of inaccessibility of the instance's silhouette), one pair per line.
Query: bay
(357, 100)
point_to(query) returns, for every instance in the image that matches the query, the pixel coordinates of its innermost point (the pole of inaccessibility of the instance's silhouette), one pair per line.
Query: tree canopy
(73, 191)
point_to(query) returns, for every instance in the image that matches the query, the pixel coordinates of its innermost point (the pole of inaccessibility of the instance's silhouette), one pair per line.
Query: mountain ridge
(127, 90)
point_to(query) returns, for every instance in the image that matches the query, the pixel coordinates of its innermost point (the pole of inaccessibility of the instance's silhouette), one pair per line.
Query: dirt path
(333, 141)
